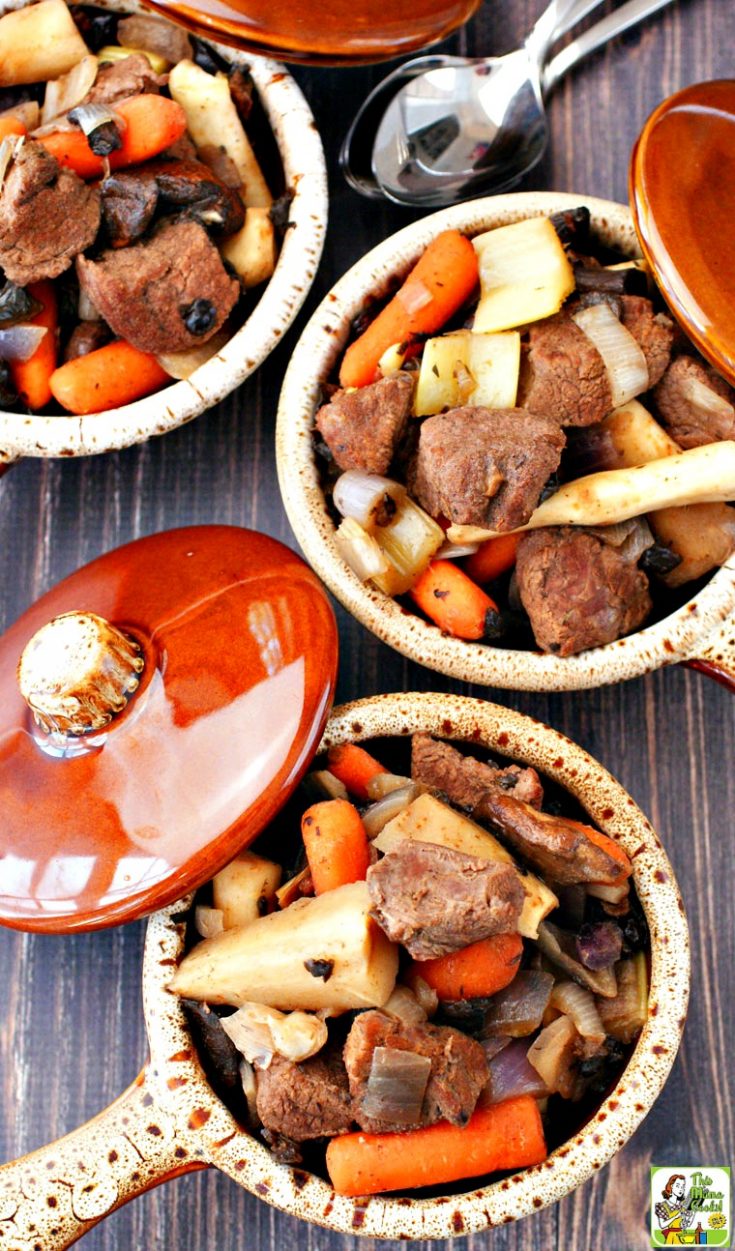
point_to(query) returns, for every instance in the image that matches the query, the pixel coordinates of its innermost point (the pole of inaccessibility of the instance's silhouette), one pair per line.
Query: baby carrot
(492, 558)
(10, 125)
(454, 602)
(476, 971)
(113, 375)
(440, 282)
(354, 767)
(506, 1135)
(32, 378)
(152, 123)
(336, 844)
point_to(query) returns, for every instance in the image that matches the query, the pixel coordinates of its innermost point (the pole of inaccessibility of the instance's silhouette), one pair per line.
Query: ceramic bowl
(304, 169)
(702, 632)
(170, 1121)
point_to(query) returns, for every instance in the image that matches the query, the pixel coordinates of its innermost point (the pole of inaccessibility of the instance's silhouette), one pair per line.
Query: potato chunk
(325, 952)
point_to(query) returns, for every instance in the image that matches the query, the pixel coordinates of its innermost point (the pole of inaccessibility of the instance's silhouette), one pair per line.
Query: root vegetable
(524, 274)
(245, 889)
(38, 42)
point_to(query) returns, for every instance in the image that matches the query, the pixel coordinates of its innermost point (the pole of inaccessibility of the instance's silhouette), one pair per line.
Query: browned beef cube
(562, 374)
(362, 428)
(578, 591)
(165, 294)
(458, 1068)
(434, 900)
(465, 780)
(306, 1100)
(87, 337)
(654, 333)
(485, 467)
(47, 216)
(695, 403)
(132, 76)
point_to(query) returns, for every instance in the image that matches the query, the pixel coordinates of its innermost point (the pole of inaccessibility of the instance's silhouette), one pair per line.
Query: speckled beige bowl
(305, 174)
(169, 1121)
(701, 633)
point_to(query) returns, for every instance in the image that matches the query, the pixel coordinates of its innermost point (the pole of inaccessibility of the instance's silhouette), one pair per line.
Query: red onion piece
(18, 343)
(517, 1010)
(396, 1086)
(511, 1074)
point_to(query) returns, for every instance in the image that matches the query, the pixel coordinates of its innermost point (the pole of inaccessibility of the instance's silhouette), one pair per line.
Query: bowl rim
(664, 642)
(222, 1142)
(304, 167)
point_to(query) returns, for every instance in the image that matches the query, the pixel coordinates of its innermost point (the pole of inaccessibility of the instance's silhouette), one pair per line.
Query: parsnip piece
(702, 534)
(252, 250)
(391, 360)
(430, 821)
(701, 475)
(524, 274)
(635, 436)
(266, 961)
(245, 889)
(492, 360)
(212, 118)
(38, 42)
(409, 542)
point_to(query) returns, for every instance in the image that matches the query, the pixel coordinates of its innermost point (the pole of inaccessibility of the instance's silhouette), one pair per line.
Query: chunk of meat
(241, 90)
(458, 1067)
(129, 202)
(132, 76)
(485, 467)
(130, 199)
(695, 404)
(47, 216)
(557, 847)
(306, 1100)
(155, 35)
(434, 900)
(150, 292)
(578, 591)
(562, 374)
(465, 780)
(363, 428)
(85, 338)
(654, 333)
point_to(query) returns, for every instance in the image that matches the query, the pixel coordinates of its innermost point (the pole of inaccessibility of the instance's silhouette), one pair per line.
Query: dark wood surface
(71, 1026)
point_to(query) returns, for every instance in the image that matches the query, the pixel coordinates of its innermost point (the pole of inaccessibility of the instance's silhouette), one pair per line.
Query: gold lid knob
(77, 672)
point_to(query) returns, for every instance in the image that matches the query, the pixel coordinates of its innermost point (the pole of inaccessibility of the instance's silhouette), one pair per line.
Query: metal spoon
(456, 128)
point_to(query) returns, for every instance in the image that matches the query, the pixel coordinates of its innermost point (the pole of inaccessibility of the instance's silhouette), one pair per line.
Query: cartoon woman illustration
(673, 1212)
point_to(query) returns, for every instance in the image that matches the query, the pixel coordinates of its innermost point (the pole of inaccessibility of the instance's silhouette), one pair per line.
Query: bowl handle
(717, 656)
(53, 1196)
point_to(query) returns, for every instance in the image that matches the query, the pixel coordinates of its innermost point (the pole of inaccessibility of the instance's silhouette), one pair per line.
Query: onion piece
(413, 295)
(360, 550)
(518, 1010)
(624, 1016)
(325, 785)
(368, 498)
(552, 1055)
(396, 1086)
(383, 783)
(425, 993)
(455, 551)
(297, 887)
(576, 1002)
(511, 1074)
(560, 947)
(404, 1005)
(625, 364)
(8, 149)
(409, 542)
(208, 921)
(101, 127)
(64, 93)
(18, 343)
(384, 810)
(494, 1045)
(260, 1032)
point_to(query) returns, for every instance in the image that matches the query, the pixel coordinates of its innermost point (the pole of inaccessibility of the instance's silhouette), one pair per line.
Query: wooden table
(71, 1032)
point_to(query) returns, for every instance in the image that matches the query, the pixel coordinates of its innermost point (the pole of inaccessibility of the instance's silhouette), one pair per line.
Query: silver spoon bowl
(440, 129)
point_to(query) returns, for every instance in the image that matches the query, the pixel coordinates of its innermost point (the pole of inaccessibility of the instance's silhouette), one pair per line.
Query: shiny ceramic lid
(682, 191)
(175, 691)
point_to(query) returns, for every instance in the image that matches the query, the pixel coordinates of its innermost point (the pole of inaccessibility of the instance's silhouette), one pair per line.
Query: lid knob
(77, 672)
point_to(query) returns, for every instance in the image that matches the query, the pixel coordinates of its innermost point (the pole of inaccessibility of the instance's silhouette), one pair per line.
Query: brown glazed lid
(156, 710)
(682, 192)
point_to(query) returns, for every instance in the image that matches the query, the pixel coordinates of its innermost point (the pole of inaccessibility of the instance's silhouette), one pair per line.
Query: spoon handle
(615, 23)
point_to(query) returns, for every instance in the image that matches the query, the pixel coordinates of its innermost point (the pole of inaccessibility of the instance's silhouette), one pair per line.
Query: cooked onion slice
(63, 94)
(360, 550)
(517, 1010)
(383, 783)
(384, 810)
(8, 149)
(624, 1016)
(560, 948)
(260, 1032)
(18, 343)
(101, 127)
(576, 1002)
(396, 1086)
(626, 367)
(455, 551)
(368, 498)
(404, 1005)
(552, 1054)
(511, 1074)
(325, 785)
